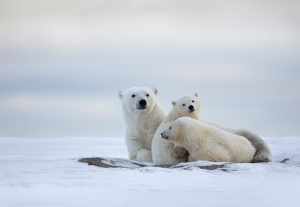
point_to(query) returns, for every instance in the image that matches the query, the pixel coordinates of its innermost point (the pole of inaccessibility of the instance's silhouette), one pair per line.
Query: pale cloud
(75, 24)
(42, 115)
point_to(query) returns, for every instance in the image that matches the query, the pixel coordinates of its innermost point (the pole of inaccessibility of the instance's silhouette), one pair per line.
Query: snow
(45, 172)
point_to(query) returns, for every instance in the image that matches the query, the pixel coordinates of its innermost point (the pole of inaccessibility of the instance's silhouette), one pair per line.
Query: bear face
(187, 106)
(170, 133)
(138, 99)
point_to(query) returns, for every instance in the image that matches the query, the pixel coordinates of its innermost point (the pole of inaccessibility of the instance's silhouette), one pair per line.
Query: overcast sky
(63, 62)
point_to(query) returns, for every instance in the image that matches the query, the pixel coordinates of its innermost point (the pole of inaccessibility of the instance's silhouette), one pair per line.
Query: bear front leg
(136, 151)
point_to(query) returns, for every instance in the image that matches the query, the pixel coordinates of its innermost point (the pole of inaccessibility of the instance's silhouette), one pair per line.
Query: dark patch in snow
(285, 160)
(113, 163)
(130, 164)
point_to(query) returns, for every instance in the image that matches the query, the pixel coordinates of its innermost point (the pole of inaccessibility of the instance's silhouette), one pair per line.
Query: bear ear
(155, 91)
(173, 103)
(120, 94)
(196, 94)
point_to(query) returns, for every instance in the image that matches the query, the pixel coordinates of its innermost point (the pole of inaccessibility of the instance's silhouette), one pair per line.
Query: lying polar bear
(143, 115)
(165, 153)
(207, 142)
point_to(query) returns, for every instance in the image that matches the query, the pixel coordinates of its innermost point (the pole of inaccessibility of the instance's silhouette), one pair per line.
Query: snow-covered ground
(45, 172)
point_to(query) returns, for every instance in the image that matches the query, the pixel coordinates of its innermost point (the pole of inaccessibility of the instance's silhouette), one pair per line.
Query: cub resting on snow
(166, 153)
(204, 141)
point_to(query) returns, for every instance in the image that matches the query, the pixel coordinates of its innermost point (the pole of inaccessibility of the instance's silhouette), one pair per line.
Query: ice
(45, 172)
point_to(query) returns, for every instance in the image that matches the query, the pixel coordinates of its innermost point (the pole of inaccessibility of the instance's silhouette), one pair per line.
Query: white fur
(207, 142)
(140, 124)
(164, 152)
(262, 151)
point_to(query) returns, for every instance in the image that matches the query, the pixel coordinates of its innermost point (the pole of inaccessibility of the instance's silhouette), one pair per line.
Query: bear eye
(193, 101)
(183, 105)
(147, 95)
(133, 96)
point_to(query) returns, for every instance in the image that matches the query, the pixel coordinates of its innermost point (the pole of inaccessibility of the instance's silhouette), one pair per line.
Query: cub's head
(170, 132)
(187, 106)
(138, 99)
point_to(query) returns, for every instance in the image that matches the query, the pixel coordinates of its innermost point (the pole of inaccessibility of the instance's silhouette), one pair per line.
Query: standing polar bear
(143, 115)
(164, 152)
(208, 142)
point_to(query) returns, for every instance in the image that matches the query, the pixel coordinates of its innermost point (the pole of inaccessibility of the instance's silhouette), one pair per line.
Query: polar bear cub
(164, 152)
(207, 142)
(143, 115)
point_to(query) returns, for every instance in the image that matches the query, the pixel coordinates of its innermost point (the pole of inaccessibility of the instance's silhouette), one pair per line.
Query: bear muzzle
(164, 136)
(191, 108)
(142, 104)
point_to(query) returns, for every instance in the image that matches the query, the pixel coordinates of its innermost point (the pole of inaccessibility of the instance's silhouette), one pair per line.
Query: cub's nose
(162, 135)
(191, 108)
(143, 102)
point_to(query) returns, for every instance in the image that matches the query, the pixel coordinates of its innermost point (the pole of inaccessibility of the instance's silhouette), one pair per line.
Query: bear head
(170, 132)
(138, 99)
(187, 106)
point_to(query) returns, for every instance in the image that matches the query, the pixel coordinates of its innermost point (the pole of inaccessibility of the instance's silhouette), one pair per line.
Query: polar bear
(164, 152)
(143, 115)
(208, 142)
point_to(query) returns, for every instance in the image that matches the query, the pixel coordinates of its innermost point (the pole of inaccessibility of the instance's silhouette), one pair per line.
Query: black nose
(191, 108)
(162, 135)
(143, 102)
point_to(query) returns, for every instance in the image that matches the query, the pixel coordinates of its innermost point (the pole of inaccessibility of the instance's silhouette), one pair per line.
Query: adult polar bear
(143, 115)
(208, 142)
